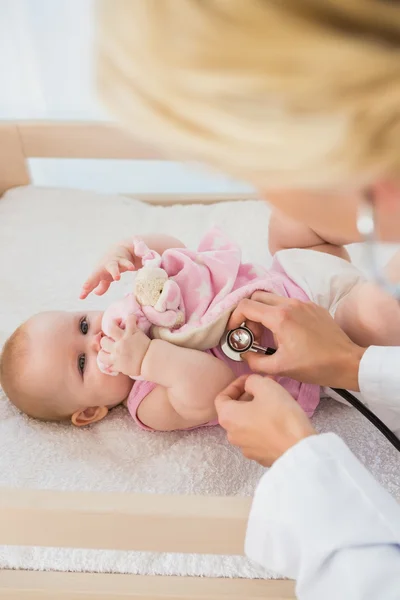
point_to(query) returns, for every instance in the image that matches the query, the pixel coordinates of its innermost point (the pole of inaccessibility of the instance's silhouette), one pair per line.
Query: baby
(57, 366)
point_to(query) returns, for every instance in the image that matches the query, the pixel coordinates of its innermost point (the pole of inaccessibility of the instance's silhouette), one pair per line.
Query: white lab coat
(379, 380)
(319, 517)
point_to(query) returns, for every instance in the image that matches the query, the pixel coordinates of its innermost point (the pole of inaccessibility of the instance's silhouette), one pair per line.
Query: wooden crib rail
(55, 139)
(47, 585)
(20, 141)
(148, 522)
(188, 524)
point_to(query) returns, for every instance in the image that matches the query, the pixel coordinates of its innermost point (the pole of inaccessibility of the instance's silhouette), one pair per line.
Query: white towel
(49, 241)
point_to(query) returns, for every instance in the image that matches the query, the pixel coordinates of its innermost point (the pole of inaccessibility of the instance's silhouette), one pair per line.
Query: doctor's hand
(262, 418)
(311, 347)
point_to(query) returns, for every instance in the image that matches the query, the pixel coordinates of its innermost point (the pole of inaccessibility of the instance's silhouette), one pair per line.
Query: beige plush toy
(154, 290)
(149, 285)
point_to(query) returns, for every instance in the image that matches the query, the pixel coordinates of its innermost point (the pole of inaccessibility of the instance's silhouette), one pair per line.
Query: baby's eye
(81, 363)
(84, 325)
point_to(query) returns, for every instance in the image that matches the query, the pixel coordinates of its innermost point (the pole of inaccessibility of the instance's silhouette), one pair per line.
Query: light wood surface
(31, 585)
(81, 140)
(20, 141)
(13, 165)
(173, 199)
(153, 522)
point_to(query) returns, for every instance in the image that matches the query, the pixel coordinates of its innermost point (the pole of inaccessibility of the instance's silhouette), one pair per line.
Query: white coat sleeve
(319, 517)
(379, 374)
(379, 382)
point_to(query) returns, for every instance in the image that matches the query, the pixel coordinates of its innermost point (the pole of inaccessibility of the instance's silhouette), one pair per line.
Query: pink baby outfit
(204, 287)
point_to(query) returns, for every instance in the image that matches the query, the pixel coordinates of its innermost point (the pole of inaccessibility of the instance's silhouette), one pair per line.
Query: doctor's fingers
(233, 391)
(268, 311)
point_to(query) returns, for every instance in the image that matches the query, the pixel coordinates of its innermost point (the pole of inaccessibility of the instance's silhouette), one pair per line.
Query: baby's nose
(95, 342)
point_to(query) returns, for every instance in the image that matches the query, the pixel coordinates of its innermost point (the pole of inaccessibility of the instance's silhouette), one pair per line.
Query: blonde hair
(277, 92)
(14, 380)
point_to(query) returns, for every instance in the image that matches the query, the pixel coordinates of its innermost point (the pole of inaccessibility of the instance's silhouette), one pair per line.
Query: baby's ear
(89, 415)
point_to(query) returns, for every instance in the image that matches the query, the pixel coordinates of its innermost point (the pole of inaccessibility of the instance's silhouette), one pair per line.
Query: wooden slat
(13, 166)
(32, 585)
(198, 524)
(81, 140)
(54, 139)
(173, 199)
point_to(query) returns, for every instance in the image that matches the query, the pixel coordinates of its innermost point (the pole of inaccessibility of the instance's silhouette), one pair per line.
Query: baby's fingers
(116, 329)
(131, 324)
(107, 344)
(105, 359)
(112, 267)
(85, 291)
(90, 284)
(125, 265)
(119, 265)
(102, 287)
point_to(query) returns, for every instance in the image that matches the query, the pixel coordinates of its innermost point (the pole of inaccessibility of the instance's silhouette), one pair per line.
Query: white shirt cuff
(379, 374)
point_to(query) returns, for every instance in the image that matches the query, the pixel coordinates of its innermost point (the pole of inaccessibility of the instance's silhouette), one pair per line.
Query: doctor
(318, 516)
(301, 98)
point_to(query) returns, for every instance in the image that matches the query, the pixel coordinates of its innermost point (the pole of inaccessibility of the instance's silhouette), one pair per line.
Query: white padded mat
(49, 241)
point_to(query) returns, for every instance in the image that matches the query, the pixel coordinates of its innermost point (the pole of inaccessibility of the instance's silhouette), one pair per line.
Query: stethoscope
(240, 340)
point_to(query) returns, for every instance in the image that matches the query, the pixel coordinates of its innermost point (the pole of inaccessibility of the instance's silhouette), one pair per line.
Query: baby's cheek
(117, 382)
(123, 386)
(111, 388)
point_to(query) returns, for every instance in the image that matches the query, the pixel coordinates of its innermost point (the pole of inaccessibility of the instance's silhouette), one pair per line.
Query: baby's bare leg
(369, 316)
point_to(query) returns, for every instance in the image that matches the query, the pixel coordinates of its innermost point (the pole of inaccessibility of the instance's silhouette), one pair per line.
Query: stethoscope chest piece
(236, 342)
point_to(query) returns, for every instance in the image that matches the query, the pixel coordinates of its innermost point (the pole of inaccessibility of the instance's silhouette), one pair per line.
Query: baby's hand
(118, 260)
(124, 350)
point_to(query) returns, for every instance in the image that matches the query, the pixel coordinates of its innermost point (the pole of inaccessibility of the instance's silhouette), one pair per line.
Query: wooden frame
(160, 523)
(24, 140)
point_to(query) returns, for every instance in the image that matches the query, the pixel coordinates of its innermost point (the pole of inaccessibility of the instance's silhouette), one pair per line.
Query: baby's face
(64, 362)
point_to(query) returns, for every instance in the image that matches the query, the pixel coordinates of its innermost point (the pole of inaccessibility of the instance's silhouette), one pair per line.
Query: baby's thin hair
(13, 361)
(14, 379)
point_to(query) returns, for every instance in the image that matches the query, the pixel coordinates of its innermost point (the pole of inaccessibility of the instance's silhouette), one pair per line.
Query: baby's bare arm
(189, 380)
(285, 233)
(369, 315)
